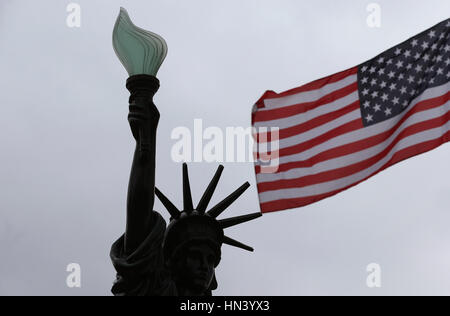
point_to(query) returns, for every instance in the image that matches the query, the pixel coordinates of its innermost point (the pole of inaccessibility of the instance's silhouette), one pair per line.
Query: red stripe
(278, 113)
(314, 85)
(401, 155)
(364, 143)
(346, 171)
(308, 125)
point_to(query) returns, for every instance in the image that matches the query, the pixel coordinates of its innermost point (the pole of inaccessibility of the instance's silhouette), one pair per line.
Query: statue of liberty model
(150, 258)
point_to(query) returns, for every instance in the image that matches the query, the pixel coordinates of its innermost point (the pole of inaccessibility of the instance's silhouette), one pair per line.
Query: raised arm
(143, 119)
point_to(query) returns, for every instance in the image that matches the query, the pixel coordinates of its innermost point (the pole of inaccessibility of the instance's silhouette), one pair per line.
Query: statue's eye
(195, 255)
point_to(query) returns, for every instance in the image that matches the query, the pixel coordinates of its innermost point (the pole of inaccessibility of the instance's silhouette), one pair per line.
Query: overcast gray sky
(66, 148)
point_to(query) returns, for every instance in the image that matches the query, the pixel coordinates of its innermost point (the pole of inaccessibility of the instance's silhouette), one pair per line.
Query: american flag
(340, 130)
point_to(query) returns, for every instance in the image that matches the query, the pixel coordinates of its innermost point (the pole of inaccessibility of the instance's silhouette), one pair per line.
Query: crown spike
(173, 210)
(222, 205)
(187, 197)
(206, 198)
(235, 243)
(233, 221)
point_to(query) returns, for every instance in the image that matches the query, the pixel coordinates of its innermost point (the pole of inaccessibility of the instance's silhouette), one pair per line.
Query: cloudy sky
(66, 148)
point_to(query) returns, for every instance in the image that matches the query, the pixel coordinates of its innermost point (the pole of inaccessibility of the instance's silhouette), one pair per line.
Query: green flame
(140, 51)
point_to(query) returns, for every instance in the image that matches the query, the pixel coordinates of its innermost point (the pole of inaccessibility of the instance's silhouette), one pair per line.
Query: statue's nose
(204, 263)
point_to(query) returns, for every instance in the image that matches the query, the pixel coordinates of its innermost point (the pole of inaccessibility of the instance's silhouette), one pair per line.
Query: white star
(373, 82)
(405, 103)
(388, 111)
(364, 68)
(380, 60)
(384, 97)
(369, 118)
(417, 56)
(407, 53)
(425, 45)
(441, 36)
(409, 66)
(395, 100)
(403, 90)
(399, 64)
(413, 92)
(389, 62)
(434, 46)
(377, 108)
(447, 62)
(365, 92)
(383, 84)
(439, 58)
(440, 71)
(419, 68)
(447, 48)
(411, 79)
(391, 74)
(364, 80)
(398, 51)
(374, 94)
(426, 57)
(401, 76)
(381, 71)
(366, 104)
(372, 70)
(448, 74)
(392, 86)
(414, 43)
(432, 81)
(432, 34)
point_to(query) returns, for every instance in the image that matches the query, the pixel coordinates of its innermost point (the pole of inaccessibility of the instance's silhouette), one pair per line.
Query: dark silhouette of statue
(180, 259)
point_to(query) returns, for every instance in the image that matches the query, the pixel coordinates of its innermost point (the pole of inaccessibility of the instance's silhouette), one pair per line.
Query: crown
(197, 224)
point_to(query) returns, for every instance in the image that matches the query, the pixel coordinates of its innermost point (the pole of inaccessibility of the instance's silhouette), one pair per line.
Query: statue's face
(199, 266)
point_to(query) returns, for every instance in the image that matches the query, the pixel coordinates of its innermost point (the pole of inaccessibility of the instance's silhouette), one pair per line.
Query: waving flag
(340, 130)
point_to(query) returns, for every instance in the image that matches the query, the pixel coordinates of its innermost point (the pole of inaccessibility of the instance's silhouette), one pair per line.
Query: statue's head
(198, 263)
(192, 250)
(193, 239)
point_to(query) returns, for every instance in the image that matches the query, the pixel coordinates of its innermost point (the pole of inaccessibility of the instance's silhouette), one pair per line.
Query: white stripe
(356, 157)
(356, 135)
(308, 96)
(341, 183)
(297, 119)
